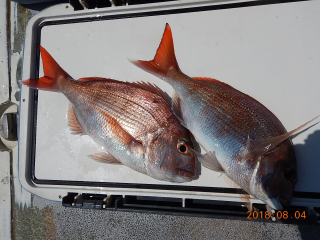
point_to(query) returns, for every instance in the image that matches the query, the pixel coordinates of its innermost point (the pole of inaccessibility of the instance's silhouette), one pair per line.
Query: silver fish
(243, 139)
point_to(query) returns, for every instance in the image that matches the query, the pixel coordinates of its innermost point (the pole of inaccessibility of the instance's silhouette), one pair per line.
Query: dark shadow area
(198, 149)
(309, 231)
(40, 5)
(308, 161)
(134, 2)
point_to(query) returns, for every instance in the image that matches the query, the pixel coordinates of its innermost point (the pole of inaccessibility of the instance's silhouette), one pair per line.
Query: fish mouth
(186, 169)
(284, 201)
(185, 173)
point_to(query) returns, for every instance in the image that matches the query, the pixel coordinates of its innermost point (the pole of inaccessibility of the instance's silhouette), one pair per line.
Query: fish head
(275, 176)
(170, 155)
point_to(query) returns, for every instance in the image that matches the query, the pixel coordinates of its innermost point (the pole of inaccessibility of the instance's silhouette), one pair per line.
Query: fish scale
(211, 133)
(132, 121)
(138, 115)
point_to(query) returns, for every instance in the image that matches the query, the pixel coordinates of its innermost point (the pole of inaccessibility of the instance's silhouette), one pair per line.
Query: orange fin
(164, 59)
(53, 73)
(151, 88)
(73, 123)
(209, 160)
(243, 197)
(265, 145)
(119, 133)
(105, 158)
(246, 199)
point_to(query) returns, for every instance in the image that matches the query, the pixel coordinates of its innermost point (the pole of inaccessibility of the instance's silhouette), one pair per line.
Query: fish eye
(289, 174)
(182, 147)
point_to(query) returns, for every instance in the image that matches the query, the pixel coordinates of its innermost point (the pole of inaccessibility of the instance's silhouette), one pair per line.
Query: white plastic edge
(55, 192)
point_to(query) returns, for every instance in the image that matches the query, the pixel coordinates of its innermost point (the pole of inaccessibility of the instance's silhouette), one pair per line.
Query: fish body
(243, 139)
(132, 121)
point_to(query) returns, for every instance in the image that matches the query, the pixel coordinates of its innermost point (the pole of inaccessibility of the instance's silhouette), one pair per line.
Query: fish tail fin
(164, 59)
(53, 73)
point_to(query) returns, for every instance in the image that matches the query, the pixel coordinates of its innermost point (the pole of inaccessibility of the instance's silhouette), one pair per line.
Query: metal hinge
(85, 200)
(8, 126)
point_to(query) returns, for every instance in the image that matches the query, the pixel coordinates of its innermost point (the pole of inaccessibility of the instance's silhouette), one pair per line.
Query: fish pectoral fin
(260, 146)
(105, 158)
(209, 160)
(73, 123)
(176, 108)
(118, 133)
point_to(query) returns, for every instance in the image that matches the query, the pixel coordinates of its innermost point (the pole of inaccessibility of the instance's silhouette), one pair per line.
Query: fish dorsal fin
(176, 107)
(260, 146)
(93, 79)
(151, 88)
(209, 160)
(105, 158)
(164, 59)
(73, 123)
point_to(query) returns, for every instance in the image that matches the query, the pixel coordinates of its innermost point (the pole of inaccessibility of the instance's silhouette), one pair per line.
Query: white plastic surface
(270, 52)
(5, 183)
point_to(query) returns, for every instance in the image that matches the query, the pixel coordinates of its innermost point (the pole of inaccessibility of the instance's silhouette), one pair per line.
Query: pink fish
(132, 121)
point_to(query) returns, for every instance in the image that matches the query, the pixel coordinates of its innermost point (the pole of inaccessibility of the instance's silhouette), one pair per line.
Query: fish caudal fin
(165, 58)
(53, 73)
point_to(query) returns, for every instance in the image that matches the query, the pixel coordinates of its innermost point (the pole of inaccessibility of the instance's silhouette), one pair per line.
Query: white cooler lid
(268, 51)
